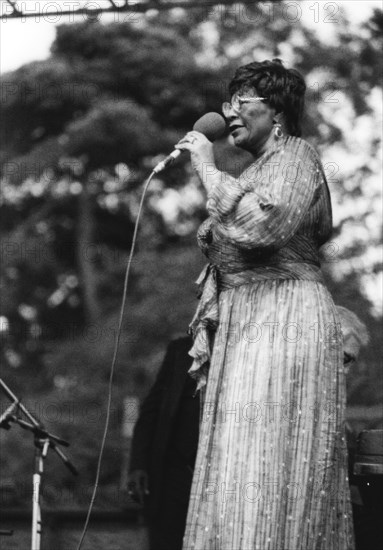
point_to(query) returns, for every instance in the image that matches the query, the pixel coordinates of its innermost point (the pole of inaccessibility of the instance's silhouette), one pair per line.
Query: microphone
(212, 125)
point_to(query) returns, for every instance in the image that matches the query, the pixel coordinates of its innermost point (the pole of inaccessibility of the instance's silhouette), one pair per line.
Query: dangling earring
(278, 130)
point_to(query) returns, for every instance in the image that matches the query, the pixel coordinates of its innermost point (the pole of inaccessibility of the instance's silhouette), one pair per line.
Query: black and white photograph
(191, 276)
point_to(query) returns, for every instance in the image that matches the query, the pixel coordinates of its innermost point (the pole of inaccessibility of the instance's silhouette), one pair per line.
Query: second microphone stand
(43, 442)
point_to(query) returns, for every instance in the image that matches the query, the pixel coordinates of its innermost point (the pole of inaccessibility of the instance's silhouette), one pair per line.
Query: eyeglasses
(237, 102)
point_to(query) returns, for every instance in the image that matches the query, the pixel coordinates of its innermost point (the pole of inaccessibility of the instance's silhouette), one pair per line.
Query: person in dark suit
(164, 448)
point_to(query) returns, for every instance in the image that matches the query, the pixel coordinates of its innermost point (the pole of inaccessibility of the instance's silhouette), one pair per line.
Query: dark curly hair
(284, 89)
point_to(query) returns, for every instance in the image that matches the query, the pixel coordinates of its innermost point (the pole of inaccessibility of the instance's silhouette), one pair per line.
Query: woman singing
(271, 469)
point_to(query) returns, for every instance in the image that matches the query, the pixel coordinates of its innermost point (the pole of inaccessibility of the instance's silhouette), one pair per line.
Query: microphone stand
(43, 441)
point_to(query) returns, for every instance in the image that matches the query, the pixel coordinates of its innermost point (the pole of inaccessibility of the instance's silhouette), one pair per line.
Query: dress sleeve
(267, 211)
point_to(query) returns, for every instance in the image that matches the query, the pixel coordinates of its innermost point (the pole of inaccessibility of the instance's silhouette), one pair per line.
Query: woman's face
(252, 123)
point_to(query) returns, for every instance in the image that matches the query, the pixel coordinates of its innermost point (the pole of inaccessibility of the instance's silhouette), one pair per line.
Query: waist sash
(211, 282)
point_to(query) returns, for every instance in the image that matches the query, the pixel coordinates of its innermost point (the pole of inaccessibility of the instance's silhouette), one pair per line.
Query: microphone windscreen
(212, 125)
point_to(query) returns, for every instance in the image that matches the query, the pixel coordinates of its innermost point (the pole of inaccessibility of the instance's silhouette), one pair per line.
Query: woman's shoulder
(301, 148)
(289, 151)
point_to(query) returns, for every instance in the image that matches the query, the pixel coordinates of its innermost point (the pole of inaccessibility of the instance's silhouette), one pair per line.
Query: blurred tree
(80, 132)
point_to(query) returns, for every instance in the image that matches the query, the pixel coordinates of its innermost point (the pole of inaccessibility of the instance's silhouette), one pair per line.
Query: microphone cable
(111, 375)
(212, 125)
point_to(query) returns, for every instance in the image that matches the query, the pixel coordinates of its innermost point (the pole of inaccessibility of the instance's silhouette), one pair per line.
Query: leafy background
(80, 132)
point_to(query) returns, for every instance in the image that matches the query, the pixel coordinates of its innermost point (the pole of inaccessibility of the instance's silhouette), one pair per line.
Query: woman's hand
(201, 156)
(138, 485)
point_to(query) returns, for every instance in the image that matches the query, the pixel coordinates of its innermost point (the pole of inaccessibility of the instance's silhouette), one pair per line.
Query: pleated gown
(271, 468)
